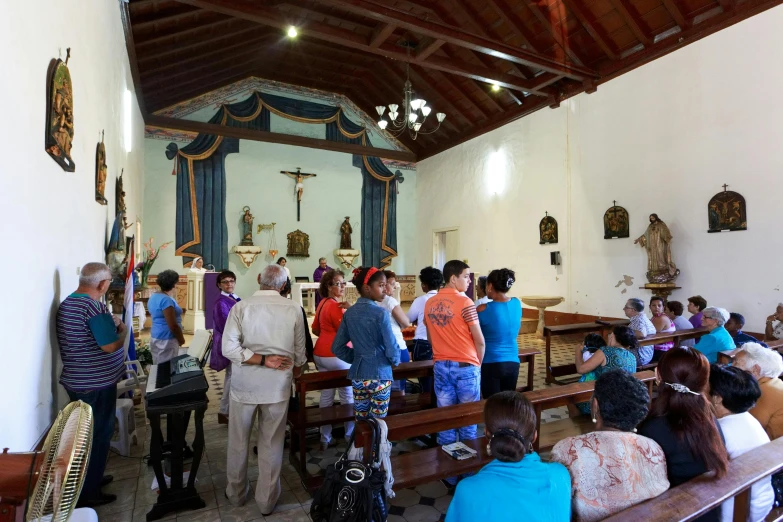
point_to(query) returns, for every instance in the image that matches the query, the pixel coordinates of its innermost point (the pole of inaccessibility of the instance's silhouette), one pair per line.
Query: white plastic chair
(136, 381)
(126, 418)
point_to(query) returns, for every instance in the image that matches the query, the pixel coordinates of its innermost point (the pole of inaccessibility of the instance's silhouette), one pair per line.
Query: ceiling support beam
(210, 42)
(592, 30)
(632, 21)
(428, 49)
(131, 48)
(456, 36)
(676, 13)
(543, 18)
(274, 137)
(381, 34)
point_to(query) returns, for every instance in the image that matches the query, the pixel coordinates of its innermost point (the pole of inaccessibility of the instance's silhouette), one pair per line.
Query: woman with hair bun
(500, 319)
(516, 482)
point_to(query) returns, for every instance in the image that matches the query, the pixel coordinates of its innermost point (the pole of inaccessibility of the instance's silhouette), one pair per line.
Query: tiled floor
(132, 477)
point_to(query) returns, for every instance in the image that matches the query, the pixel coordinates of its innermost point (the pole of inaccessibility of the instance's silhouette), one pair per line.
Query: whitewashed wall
(51, 223)
(662, 138)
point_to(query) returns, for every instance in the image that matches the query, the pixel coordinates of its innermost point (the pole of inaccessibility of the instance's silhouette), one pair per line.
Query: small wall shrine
(727, 212)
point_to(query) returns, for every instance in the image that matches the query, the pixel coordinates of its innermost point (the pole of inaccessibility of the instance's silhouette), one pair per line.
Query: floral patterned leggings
(371, 398)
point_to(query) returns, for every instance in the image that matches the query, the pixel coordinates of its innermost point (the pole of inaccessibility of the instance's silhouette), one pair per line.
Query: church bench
(423, 466)
(572, 329)
(726, 356)
(659, 338)
(694, 498)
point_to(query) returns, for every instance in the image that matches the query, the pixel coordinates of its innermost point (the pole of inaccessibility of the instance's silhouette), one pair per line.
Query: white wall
(51, 223)
(253, 178)
(662, 138)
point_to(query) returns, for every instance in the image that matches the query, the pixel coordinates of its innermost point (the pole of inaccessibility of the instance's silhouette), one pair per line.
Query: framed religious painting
(547, 229)
(616, 222)
(727, 212)
(59, 114)
(101, 170)
(298, 244)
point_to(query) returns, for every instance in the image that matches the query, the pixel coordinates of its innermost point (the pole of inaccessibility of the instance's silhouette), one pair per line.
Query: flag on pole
(130, 345)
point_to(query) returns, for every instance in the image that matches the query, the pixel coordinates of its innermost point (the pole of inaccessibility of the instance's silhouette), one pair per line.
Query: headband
(680, 388)
(370, 273)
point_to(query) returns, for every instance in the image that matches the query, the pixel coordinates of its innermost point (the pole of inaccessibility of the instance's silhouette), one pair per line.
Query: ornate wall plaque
(616, 223)
(59, 114)
(548, 230)
(727, 212)
(298, 244)
(101, 170)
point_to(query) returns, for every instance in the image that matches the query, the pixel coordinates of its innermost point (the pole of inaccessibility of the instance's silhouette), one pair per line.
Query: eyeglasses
(228, 281)
(341, 283)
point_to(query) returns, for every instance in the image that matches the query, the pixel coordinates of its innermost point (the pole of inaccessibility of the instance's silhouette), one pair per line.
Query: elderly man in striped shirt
(93, 362)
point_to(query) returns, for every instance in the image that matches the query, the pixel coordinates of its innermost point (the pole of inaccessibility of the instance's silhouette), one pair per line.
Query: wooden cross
(614, 203)
(299, 177)
(725, 187)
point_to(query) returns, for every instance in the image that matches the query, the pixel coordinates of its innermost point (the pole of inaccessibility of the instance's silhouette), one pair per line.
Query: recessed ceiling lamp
(495, 87)
(292, 32)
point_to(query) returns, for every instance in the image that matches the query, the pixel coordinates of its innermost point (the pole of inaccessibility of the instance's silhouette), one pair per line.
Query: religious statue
(116, 252)
(299, 177)
(548, 230)
(100, 172)
(247, 227)
(59, 118)
(657, 241)
(119, 202)
(616, 222)
(727, 211)
(345, 234)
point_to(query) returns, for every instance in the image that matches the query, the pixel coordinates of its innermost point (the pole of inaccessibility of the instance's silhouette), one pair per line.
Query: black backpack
(353, 492)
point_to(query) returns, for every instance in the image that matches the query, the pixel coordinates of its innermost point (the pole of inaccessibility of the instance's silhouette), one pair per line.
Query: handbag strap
(374, 443)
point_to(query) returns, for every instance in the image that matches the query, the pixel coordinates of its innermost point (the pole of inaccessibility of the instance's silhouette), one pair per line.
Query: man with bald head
(93, 361)
(264, 338)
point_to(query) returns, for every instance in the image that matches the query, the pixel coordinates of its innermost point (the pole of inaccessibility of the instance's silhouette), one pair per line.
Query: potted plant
(149, 255)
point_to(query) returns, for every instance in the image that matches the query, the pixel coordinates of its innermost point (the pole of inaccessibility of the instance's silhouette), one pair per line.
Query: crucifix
(725, 187)
(299, 177)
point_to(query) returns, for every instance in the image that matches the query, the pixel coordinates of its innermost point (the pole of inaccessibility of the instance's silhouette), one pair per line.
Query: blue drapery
(201, 229)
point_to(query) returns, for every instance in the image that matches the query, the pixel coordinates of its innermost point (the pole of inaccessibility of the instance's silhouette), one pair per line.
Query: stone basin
(542, 303)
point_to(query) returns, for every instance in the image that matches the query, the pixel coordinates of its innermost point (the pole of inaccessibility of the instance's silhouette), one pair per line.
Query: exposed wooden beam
(191, 30)
(262, 15)
(592, 30)
(544, 18)
(172, 78)
(274, 137)
(429, 48)
(131, 49)
(676, 13)
(512, 20)
(456, 36)
(191, 44)
(381, 34)
(632, 21)
(174, 14)
(727, 5)
(207, 84)
(464, 92)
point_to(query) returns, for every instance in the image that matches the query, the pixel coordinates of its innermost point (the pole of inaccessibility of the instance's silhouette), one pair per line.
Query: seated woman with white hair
(719, 339)
(766, 366)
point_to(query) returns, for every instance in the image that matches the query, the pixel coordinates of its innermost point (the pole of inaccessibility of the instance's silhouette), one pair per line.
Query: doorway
(445, 246)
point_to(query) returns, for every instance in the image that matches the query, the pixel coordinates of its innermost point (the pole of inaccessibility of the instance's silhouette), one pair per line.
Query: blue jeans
(457, 385)
(422, 351)
(103, 403)
(405, 356)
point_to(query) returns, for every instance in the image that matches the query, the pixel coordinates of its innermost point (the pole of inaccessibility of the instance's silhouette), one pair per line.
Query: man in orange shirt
(457, 345)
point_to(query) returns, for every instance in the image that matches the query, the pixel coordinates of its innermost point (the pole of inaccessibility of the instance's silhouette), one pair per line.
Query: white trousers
(271, 435)
(226, 398)
(163, 350)
(326, 364)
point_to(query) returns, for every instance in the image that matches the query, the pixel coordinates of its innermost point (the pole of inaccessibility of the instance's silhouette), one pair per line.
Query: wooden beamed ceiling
(539, 52)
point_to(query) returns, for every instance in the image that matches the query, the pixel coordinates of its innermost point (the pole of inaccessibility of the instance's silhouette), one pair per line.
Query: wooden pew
(694, 498)
(660, 338)
(423, 466)
(572, 329)
(726, 356)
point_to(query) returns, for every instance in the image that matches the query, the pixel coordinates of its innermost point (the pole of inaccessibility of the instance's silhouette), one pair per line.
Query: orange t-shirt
(329, 316)
(448, 316)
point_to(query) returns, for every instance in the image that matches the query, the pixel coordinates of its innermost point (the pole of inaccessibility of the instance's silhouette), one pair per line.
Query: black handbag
(777, 486)
(351, 491)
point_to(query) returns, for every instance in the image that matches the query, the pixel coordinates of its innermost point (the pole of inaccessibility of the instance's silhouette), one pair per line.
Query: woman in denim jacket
(367, 327)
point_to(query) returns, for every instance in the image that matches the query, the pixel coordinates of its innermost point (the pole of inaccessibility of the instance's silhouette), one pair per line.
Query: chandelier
(413, 114)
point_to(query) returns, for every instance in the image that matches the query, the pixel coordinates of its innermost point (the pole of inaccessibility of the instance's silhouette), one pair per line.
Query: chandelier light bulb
(441, 116)
(426, 111)
(381, 109)
(416, 126)
(393, 115)
(292, 32)
(413, 117)
(382, 124)
(393, 107)
(415, 104)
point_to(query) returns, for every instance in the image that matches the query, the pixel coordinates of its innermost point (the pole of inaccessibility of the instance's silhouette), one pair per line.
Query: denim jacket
(375, 350)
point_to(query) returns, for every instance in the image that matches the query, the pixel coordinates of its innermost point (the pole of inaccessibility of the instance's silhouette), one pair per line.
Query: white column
(194, 316)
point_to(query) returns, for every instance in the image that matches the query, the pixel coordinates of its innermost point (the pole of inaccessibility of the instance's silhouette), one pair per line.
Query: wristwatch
(263, 360)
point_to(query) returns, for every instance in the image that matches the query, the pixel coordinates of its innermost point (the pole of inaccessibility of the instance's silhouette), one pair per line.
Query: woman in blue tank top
(499, 320)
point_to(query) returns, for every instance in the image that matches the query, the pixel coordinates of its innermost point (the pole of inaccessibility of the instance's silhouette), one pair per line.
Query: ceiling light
(495, 87)
(382, 124)
(292, 32)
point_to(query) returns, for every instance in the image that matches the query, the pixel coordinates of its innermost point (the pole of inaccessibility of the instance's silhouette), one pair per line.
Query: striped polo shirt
(83, 326)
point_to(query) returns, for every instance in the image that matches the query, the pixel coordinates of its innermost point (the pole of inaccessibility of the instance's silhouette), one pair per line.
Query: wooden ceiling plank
(460, 89)
(632, 21)
(381, 34)
(456, 36)
(191, 30)
(275, 137)
(481, 86)
(208, 83)
(543, 18)
(150, 21)
(261, 15)
(515, 23)
(248, 55)
(676, 13)
(190, 45)
(592, 30)
(206, 76)
(429, 48)
(127, 30)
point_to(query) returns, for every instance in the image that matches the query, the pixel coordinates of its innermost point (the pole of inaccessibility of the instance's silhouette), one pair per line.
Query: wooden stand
(178, 496)
(661, 289)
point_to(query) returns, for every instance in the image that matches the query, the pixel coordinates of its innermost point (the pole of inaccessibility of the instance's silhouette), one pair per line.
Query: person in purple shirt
(318, 274)
(695, 306)
(226, 280)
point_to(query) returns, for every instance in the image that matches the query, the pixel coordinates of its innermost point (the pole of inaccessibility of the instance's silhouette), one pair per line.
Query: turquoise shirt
(156, 304)
(500, 324)
(718, 340)
(528, 490)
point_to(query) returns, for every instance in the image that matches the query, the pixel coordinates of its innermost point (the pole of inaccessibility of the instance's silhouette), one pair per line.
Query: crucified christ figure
(299, 177)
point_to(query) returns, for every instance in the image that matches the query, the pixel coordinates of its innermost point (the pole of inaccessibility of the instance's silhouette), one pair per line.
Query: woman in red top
(328, 317)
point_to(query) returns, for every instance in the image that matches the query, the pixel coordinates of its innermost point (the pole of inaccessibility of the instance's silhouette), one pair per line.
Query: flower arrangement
(149, 255)
(143, 353)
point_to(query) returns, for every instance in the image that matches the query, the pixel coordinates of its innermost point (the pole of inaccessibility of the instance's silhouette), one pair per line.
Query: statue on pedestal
(657, 241)
(247, 228)
(345, 234)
